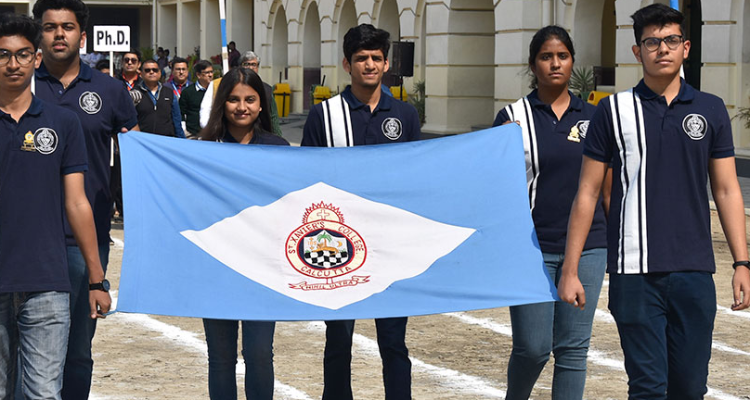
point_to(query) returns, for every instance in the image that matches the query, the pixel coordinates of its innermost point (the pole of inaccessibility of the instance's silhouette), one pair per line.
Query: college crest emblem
(90, 102)
(45, 140)
(392, 128)
(695, 126)
(324, 248)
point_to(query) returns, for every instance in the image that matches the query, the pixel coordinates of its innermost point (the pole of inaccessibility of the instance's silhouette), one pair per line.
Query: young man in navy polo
(663, 138)
(364, 115)
(104, 108)
(42, 164)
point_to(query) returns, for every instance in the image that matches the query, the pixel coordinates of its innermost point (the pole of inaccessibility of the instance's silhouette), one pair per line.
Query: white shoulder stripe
(521, 111)
(338, 124)
(627, 120)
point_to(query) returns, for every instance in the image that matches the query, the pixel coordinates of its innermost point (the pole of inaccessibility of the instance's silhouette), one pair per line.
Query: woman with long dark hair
(554, 124)
(240, 115)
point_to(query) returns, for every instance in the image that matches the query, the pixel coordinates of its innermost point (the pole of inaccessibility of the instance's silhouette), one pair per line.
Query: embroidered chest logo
(90, 102)
(324, 248)
(392, 128)
(695, 126)
(44, 140)
(578, 131)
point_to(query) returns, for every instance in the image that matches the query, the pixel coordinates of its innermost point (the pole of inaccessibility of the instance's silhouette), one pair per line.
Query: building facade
(471, 54)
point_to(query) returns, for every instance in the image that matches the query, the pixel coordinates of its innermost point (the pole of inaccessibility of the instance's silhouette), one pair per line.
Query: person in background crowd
(131, 64)
(179, 79)
(234, 55)
(554, 123)
(240, 115)
(158, 109)
(102, 66)
(374, 118)
(664, 139)
(190, 101)
(46, 142)
(104, 109)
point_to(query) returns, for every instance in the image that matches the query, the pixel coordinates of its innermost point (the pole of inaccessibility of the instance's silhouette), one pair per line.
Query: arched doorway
(310, 53)
(388, 21)
(595, 39)
(693, 30)
(279, 52)
(347, 19)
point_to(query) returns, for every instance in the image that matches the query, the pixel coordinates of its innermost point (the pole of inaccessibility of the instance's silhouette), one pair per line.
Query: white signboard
(111, 38)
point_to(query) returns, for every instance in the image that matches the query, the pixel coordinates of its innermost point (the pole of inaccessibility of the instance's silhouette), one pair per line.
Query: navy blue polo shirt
(367, 126)
(35, 153)
(103, 106)
(559, 167)
(659, 216)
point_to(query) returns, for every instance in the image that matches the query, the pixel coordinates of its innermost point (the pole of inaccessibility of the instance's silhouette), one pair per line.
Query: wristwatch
(745, 264)
(103, 286)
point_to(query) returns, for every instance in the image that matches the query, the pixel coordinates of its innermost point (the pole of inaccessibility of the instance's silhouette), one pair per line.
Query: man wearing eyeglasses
(179, 79)
(158, 109)
(43, 160)
(131, 66)
(663, 139)
(104, 108)
(190, 101)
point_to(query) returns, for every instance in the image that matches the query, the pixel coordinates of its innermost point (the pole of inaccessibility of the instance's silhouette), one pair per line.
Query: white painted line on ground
(729, 311)
(451, 379)
(190, 341)
(117, 243)
(722, 347)
(595, 356)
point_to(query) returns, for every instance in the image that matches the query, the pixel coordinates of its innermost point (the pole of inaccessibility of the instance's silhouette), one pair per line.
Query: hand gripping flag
(221, 230)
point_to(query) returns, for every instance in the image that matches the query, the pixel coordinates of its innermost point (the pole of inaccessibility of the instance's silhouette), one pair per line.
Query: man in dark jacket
(158, 110)
(190, 101)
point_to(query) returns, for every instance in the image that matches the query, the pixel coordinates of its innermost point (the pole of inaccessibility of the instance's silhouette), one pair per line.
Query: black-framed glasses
(23, 57)
(128, 60)
(250, 65)
(672, 41)
(151, 70)
(211, 72)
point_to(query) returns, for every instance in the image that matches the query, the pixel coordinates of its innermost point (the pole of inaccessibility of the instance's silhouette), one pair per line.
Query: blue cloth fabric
(559, 168)
(367, 125)
(665, 323)
(337, 370)
(78, 362)
(103, 107)
(556, 327)
(32, 239)
(676, 172)
(33, 328)
(257, 351)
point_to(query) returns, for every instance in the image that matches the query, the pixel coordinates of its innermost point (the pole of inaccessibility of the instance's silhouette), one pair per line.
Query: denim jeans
(337, 361)
(557, 327)
(257, 351)
(666, 324)
(33, 328)
(78, 363)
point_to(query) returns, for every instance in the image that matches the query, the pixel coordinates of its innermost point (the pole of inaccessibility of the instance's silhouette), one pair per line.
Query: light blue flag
(257, 232)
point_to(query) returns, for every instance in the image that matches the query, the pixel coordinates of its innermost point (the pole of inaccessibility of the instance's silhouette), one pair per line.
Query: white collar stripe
(627, 119)
(338, 122)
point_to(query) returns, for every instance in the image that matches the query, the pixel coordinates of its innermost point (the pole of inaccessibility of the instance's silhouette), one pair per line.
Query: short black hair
(656, 14)
(102, 64)
(201, 65)
(12, 24)
(136, 52)
(178, 60)
(366, 37)
(78, 8)
(149, 61)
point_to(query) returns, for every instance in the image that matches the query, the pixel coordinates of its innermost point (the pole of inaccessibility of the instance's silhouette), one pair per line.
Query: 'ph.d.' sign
(111, 38)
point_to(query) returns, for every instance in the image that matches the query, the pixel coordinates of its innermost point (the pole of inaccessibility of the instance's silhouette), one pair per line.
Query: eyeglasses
(151, 70)
(128, 60)
(250, 64)
(23, 57)
(672, 41)
(180, 70)
(207, 72)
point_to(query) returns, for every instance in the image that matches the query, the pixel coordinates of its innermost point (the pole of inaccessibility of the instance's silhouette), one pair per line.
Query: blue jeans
(33, 328)
(666, 323)
(257, 351)
(557, 327)
(337, 361)
(78, 363)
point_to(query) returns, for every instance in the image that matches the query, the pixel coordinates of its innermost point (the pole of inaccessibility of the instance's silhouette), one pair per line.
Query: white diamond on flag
(328, 247)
